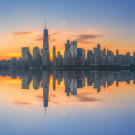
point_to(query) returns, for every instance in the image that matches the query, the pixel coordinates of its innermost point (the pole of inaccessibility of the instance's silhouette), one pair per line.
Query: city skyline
(73, 56)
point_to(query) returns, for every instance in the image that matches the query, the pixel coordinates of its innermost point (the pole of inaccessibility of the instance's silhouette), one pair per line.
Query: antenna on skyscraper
(45, 23)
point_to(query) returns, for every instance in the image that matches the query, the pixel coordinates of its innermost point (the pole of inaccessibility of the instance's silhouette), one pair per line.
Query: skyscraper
(54, 56)
(24, 51)
(67, 45)
(36, 53)
(45, 39)
(73, 49)
(98, 54)
(117, 52)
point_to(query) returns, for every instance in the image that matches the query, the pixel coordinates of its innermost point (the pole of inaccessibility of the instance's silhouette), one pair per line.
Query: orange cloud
(22, 103)
(82, 98)
(55, 33)
(22, 33)
(53, 40)
(83, 37)
(54, 102)
(39, 39)
(39, 96)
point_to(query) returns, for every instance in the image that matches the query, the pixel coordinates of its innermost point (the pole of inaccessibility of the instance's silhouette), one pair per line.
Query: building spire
(45, 23)
(45, 111)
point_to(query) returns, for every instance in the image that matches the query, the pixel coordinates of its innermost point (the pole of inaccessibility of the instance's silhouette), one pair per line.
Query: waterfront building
(36, 53)
(67, 45)
(54, 56)
(45, 57)
(24, 51)
(13, 62)
(45, 38)
(73, 49)
(20, 63)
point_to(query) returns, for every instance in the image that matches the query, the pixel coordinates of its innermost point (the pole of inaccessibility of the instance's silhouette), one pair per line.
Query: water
(67, 102)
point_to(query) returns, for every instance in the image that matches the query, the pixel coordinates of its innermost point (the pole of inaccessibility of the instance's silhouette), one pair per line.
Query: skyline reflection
(73, 80)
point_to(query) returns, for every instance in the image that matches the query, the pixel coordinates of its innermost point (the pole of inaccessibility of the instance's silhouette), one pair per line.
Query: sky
(110, 23)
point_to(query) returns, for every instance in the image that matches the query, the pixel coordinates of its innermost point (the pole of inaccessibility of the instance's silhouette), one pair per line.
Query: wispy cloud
(53, 40)
(85, 42)
(83, 37)
(54, 102)
(22, 33)
(22, 101)
(39, 96)
(39, 39)
(63, 22)
(53, 95)
(83, 98)
(55, 33)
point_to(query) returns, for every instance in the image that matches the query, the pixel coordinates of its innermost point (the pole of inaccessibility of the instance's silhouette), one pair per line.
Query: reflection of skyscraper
(73, 86)
(36, 79)
(25, 84)
(54, 79)
(45, 78)
(45, 96)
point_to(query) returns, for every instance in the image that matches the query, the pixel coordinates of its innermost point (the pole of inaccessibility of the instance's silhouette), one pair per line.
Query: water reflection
(83, 100)
(73, 79)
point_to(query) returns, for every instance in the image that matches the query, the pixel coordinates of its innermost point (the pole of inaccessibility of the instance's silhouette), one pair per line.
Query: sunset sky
(111, 23)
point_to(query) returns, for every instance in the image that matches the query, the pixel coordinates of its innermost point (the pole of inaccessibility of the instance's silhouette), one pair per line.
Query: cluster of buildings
(73, 56)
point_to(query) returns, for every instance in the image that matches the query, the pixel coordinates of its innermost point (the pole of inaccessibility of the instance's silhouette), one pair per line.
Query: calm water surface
(58, 102)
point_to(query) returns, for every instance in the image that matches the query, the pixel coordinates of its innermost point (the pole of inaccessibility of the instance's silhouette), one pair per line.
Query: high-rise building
(36, 53)
(59, 58)
(81, 53)
(110, 57)
(95, 55)
(98, 54)
(117, 52)
(104, 51)
(24, 51)
(45, 39)
(73, 49)
(20, 63)
(54, 56)
(28, 59)
(13, 62)
(45, 57)
(67, 45)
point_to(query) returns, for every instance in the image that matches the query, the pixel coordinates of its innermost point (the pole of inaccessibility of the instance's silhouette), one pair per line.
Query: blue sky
(114, 19)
